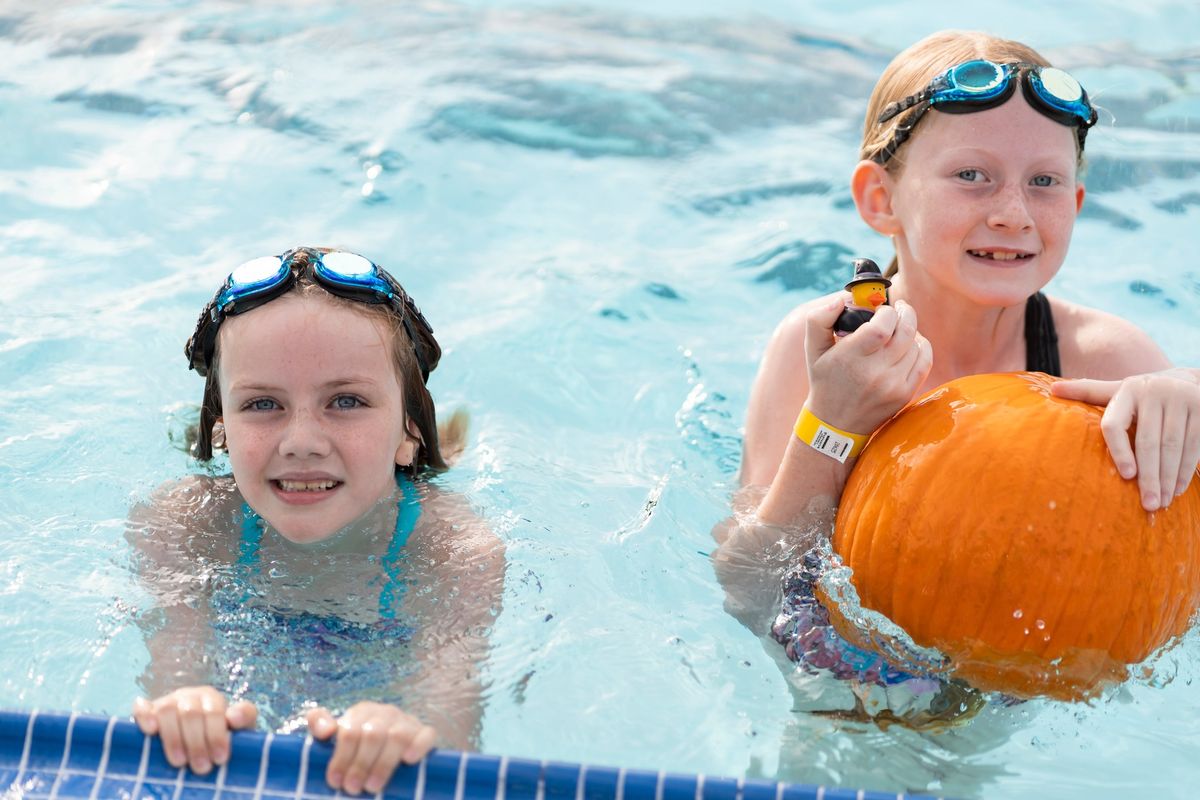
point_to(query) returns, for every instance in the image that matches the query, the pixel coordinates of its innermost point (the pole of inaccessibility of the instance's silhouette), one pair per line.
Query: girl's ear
(872, 185)
(406, 453)
(218, 434)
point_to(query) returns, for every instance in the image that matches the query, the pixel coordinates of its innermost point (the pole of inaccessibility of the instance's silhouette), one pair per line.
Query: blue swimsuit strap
(408, 511)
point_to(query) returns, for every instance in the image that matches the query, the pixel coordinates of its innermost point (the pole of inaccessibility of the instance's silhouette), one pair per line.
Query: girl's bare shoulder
(454, 530)
(1096, 344)
(183, 514)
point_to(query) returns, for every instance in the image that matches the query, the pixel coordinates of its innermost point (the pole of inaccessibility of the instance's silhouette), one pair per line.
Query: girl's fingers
(171, 736)
(372, 736)
(321, 723)
(1172, 439)
(144, 716)
(242, 715)
(345, 750)
(818, 332)
(1147, 442)
(395, 744)
(1191, 454)
(1087, 390)
(420, 745)
(1114, 424)
(193, 728)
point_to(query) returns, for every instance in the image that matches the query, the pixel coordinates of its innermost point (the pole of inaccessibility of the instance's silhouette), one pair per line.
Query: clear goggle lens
(350, 265)
(256, 270)
(1061, 85)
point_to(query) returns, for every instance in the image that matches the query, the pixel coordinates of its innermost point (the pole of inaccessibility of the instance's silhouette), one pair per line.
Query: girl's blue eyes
(973, 176)
(343, 402)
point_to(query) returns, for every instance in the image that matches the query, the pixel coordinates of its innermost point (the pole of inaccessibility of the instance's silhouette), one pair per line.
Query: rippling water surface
(604, 211)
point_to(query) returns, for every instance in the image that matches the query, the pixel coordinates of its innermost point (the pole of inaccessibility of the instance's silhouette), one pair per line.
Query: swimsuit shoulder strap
(1041, 339)
(408, 511)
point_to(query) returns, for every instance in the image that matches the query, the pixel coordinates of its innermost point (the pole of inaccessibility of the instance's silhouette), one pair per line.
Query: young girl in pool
(307, 573)
(971, 157)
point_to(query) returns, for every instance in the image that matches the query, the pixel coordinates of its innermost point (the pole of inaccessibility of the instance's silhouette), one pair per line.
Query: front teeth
(306, 486)
(996, 256)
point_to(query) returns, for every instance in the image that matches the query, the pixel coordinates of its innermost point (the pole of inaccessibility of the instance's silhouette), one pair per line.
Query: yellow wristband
(824, 438)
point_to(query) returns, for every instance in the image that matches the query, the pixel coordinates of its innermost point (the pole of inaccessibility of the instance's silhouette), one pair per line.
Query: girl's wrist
(826, 438)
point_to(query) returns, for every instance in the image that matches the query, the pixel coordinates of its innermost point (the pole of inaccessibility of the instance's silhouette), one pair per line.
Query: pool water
(604, 211)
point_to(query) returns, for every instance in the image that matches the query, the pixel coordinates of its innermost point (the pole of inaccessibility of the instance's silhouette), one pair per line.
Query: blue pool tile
(521, 780)
(794, 792)
(112, 752)
(719, 789)
(641, 785)
(679, 787)
(560, 781)
(759, 790)
(601, 783)
(442, 769)
(48, 741)
(71, 785)
(482, 778)
(283, 765)
(403, 785)
(245, 760)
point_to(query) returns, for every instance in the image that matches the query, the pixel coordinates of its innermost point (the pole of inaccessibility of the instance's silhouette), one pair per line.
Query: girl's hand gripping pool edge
(194, 725)
(372, 740)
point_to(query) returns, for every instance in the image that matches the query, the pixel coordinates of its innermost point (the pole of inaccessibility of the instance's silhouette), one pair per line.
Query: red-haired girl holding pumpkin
(971, 159)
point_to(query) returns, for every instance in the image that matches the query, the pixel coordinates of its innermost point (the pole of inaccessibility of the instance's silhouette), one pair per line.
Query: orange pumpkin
(988, 521)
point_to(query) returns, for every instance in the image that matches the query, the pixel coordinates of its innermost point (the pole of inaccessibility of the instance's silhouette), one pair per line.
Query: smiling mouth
(306, 486)
(993, 255)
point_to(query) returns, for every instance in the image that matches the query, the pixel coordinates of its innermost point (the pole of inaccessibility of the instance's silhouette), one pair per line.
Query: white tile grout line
(580, 780)
(262, 766)
(620, 784)
(178, 784)
(820, 793)
(658, 786)
(540, 793)
(419, 789)
(24, 765)
(302, 778)
(700, 786)
(103, 768)
(143, 765)
(461, 779)
(502, 778)
(219, 789)
(778, 791)
(62, 765)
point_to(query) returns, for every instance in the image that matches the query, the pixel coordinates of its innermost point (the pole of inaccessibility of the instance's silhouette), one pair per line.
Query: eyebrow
(339, 383)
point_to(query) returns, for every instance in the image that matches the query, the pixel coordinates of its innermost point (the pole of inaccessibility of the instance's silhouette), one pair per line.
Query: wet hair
(418, 403)
(913, 69)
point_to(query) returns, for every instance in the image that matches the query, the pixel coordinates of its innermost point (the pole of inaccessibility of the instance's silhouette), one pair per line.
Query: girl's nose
(304, 436)
(1011, 210)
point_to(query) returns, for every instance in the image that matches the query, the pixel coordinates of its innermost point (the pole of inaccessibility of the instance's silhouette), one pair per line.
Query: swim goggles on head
(261, 280)
(979, 84)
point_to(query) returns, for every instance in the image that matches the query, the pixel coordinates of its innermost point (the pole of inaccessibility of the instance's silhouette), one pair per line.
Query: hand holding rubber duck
(868, 288)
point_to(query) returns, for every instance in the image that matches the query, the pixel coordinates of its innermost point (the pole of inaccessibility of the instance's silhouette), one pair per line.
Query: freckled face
(986, 202)
(313, 413)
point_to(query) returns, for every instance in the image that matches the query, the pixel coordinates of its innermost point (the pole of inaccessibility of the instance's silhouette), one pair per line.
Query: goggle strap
(901, 106)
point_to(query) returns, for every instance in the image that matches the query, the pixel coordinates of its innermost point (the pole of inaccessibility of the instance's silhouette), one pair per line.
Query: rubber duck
(868, 290)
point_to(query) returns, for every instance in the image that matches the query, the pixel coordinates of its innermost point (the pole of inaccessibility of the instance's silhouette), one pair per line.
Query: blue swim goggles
(261, 280)
(979, 84)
